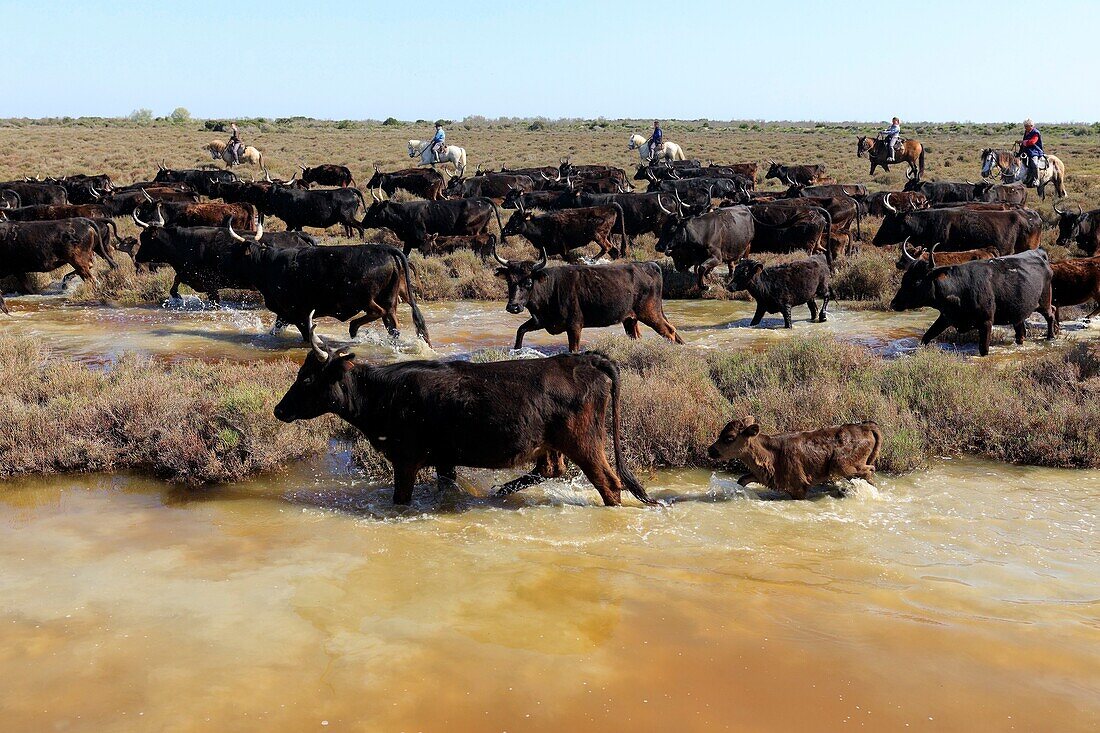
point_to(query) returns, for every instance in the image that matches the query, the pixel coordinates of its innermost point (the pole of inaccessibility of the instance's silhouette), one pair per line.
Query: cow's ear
(751, 430)
(758, 268)
(346, 362)
(538, 276)
(501, 271)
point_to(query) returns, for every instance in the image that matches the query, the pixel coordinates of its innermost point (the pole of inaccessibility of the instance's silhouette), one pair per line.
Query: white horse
(455, 155)
(669, 151)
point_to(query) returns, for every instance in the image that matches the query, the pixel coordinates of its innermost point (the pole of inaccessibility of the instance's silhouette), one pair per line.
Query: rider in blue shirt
(655, 141)
(1031, 147)
(438, 141)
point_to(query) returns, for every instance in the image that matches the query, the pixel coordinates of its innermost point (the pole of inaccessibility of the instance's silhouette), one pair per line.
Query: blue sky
(693, 58)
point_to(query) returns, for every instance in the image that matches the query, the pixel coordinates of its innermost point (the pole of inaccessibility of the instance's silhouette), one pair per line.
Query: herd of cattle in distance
(968, 250)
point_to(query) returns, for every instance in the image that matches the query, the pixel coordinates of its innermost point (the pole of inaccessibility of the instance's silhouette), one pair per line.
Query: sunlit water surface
(965, 597)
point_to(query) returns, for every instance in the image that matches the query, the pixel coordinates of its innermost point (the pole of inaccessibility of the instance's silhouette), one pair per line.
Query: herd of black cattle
(971, 251)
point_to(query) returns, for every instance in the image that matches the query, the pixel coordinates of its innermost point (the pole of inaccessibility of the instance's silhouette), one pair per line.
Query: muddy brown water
(961, 598)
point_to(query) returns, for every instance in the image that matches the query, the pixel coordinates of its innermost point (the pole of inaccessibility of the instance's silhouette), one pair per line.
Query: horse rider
(438, 143)
(890, 138)
(655, 141)
(1031, 149)
(235, 143)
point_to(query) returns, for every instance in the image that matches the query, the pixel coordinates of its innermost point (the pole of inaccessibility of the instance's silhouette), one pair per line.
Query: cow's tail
(362, 201)
(920, 163)
(859, 216)
(110, 225)
(876, 431)
(622, 228)
(418, 317)
(496, 211)
(98, 243)
(605, 364)
(828, 236)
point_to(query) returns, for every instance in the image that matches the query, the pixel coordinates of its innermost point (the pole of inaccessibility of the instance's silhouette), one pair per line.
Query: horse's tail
(1059, 177)
(678, 153)
(462, 158)
(260, 156)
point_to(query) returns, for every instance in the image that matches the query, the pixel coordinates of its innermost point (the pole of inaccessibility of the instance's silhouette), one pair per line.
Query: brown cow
(1075, 281)
(560, 232)
(907, 258)
(794, 462)
(207, 214)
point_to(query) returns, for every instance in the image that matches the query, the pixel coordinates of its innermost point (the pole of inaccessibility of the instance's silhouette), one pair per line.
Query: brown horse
(910, 151)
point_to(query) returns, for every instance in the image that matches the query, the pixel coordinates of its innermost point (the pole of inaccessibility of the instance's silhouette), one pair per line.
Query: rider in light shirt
(890, 134)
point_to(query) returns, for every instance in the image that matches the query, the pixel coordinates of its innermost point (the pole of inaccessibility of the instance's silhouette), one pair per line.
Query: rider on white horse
(235, 144)
(438, 143)
(655, 141)
(1031, 148)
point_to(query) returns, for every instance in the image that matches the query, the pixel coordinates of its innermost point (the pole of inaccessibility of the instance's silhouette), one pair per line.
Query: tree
(143, 116)
(180, 115)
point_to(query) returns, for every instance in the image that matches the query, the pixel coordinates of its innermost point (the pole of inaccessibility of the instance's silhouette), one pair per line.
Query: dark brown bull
(559, 232)
(481, 244)
(795, 462)
(43, 246)
(486, 415)
(427, 183)
(796, 175)
(1075, 281)
(571, 298)
(209, 214)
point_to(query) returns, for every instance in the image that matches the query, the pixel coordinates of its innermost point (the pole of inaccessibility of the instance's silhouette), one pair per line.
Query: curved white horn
(259, 230)
(886, 203)
(138, 221)
(146, 195)
(315, 341)
(663, 206)
(905, 250)
(232, 233)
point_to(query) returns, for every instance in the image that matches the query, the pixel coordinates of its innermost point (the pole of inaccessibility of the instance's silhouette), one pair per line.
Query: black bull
(957, 229)
(571, 298)
(708, 240)
(413, 221)
(980, 294)
(492, 415)
(320, 209)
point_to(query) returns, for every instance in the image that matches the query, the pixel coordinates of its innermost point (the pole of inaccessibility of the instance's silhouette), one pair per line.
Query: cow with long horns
(495, 415)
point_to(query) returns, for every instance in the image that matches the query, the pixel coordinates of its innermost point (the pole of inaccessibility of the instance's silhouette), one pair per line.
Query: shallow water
(188, 330)
(962, 598)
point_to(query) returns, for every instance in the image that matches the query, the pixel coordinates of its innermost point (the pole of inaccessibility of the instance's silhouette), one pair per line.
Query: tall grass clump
(192, 421)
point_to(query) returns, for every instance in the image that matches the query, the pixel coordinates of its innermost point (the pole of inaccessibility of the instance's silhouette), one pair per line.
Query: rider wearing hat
(438, 142)
(1031, 148)
(235, 143)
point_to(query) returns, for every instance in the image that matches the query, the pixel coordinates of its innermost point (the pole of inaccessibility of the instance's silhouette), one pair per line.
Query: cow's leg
(604, 244)
(26, 287)
(446, 478)
(758, 316)
(812, 305)
(531, 324)
(1047, 309)
(1021, 331)
(825, 304)
(518, 484)
(550, 464)
(787, 316)
(630, 325)
(573, 331)
(654, 317)
(404, 478)
(985, 333)
(389, 320)
(3, 305)
(940, 325)
(704, 269)
(593, 463)
(371, 312)
(174, 293)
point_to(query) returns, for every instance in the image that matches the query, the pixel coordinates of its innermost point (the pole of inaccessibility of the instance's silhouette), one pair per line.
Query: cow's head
(320, 387)
(735, 439)
(521, 278)
(744, 273)
(893, 227)
(908, 257)
(377, 179)
(378, 214)
(454, 186)
(512, 199)
(776, 171)
(154, 242)
(917, 284)
(1069, 224)
(517, 223)
(981, 189)
(675, 227)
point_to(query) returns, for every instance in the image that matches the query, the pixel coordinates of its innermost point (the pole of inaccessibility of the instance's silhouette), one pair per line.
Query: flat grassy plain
(1033, 410)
